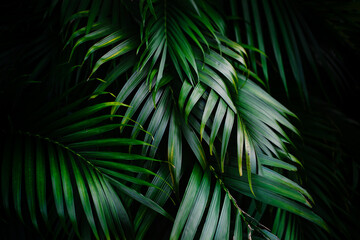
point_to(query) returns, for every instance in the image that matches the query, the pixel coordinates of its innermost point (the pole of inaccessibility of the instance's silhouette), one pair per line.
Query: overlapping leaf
(72, 161)
(197, 107)
(215, 76)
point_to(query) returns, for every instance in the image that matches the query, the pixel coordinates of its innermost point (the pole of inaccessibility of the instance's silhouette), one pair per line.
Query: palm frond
(60, 160)
(132, 117)
(211, 78)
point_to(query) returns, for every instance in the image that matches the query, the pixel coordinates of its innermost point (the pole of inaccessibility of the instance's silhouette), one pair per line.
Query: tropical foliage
(160, 119)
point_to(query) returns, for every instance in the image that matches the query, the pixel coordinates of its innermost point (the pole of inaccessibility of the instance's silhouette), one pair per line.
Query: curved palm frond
(208, 73)
(71, 159)
(190, 116)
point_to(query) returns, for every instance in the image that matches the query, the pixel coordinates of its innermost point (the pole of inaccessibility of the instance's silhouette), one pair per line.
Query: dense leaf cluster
(158, 119)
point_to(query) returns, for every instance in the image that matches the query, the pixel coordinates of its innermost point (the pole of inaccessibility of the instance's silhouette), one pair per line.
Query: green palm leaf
(79, 185)
(126, 118)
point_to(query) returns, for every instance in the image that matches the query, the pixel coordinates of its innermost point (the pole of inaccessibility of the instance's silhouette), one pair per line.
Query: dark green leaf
(187, 202)
(223, 227)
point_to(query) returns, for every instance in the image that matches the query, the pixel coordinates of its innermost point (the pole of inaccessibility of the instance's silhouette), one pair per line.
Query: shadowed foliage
(190, 119)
